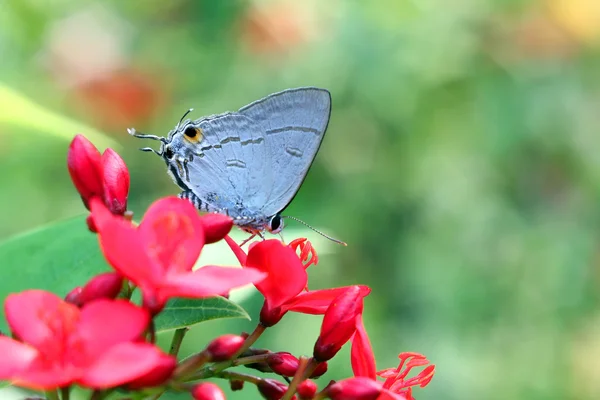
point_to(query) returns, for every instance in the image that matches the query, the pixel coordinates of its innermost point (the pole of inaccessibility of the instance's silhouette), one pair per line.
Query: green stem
(303, 370)
(251, 359)
(238, 376)
(177, 339)
(259, 330)
(65, 393)
(51, 395)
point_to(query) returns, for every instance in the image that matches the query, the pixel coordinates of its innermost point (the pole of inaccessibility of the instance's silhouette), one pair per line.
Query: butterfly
(248, 164)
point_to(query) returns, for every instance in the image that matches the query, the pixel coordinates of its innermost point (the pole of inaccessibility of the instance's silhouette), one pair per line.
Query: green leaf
(56, 258)
(180, 313)
(19, 111)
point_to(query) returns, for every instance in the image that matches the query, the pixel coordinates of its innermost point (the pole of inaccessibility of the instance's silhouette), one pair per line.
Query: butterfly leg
(249, 239)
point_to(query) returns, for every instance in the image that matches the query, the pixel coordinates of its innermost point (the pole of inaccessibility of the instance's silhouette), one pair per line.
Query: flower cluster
(98, 338)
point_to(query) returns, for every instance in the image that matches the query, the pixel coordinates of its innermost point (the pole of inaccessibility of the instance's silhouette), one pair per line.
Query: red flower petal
(37, 317)
(314, 302)
(85, 167)
(216, 227)
(237, 250)
(209, 281)
(115, 181)
(286, 275)
(122, 363)
(16, 356)
(128, 322)
(123, 247)
(361, 355)
(172, 234)
(339, 323)
(158, 375)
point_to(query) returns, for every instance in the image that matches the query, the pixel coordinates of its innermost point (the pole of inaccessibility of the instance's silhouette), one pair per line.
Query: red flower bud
(103, 286)
(207, 391)
(115, 181)
(320, 370)
(224, 347)
(272, 389)
(85, 167)
(360, 388)
(283, 363)
(73, 296)
(307, 389)
(236, 385)
(156, 376)
(339, 322)
(216, 227)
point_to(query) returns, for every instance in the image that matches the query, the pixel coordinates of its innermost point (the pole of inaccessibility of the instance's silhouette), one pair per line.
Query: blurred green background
(461, 162)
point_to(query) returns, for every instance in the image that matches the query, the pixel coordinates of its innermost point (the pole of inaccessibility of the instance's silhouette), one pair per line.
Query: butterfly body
(248, 164)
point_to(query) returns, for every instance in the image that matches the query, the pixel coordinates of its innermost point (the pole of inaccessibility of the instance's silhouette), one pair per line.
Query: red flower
(59, 344)
(395, 378)
(207, 391)
(286, 279)
(159, 255)
(98, 176)
(339, 322)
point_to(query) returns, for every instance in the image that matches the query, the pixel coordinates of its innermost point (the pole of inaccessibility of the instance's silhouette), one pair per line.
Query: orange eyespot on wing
(193, 134)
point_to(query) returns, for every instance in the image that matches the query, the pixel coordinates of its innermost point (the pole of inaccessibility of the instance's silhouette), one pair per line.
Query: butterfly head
(275, 224)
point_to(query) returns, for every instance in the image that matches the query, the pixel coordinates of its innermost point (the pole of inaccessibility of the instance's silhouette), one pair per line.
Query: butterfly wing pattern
(251, 163)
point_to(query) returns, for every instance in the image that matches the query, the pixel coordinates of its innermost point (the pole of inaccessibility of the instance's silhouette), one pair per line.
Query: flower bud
(224, 347)
(216, 227)
(339, 323)
(158, 375)
(73, 296)
(360, 388)
(115, 180)
(283, 363)
(207, 391)
(103, 286)
(271, 389)
(85, 167)
(307, 389)
(236, 385)
(320, 370)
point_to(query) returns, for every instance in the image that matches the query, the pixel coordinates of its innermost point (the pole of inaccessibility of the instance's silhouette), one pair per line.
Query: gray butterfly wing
(295, 121)
(229, 166)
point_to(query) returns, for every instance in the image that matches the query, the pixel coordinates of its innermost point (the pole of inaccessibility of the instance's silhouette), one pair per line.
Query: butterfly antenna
(150, 149)
(141, 135)
(316, 230)
(184, 115)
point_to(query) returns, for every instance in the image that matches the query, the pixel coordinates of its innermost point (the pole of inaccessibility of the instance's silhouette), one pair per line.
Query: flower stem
(238, 376)
(177, 339)
(250, 340)
(51, 395)
(251, 359)
(65, 392)
(305, 368)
